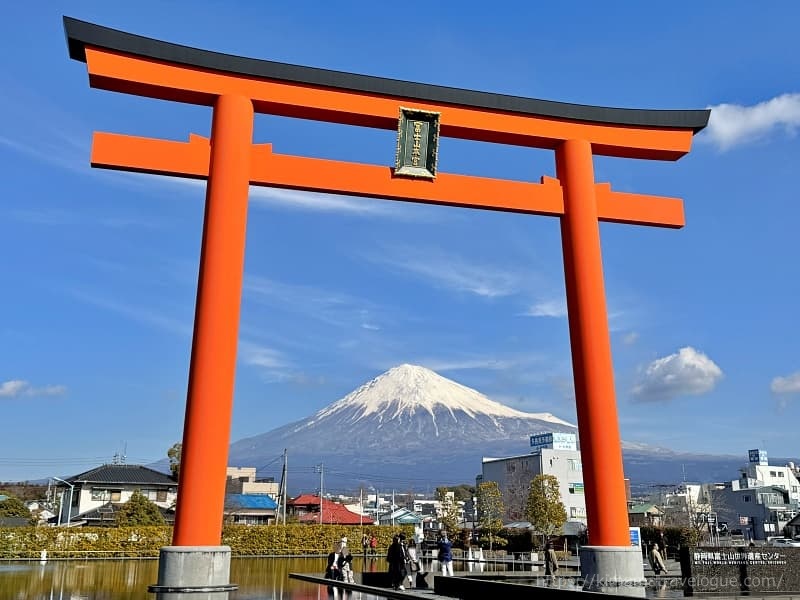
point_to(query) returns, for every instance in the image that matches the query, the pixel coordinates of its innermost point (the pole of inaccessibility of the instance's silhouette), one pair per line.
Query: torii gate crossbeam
(237, 87)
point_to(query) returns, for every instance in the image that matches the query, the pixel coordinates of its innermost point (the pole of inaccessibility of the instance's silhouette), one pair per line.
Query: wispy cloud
(548, 308)
(261, 356)
(139, 313)
(630, 338)
(687, 372)
(17, 388)
(331, 307)
(271, 197)
(734, 124)
(26, 120)
(450, 271)
(467, 364)
(274, 365)
(62, 218)
(314, 201)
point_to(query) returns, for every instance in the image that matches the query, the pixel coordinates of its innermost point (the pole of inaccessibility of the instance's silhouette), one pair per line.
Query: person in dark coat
(445, 555)
(397, 559)
(333, 570)
(550, 559)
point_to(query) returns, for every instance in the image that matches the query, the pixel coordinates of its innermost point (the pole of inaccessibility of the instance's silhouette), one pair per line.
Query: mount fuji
(412, 429)
(407, 428)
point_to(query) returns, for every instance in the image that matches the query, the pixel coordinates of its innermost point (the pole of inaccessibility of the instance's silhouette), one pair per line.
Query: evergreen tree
(14, 507)
(139, 511)
(544, 508)
(174, 455)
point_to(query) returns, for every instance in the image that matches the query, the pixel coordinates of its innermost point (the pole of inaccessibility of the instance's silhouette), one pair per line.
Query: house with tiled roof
(642, 515)
(401, 516)
(250, 509)
(93, 497)
(306, 508)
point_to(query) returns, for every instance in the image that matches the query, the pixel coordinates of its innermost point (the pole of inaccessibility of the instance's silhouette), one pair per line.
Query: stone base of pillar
(613, 568)
(196, 572)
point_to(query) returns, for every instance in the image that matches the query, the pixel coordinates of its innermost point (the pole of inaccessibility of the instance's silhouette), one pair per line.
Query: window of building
(574, 464)
(161, 496)
(99, 495)
(746, 498)
(116, 495)
(780, 473)
(577, 511)
(773, 474)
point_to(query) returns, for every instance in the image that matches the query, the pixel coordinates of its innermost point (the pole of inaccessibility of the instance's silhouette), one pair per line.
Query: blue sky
(99, 268)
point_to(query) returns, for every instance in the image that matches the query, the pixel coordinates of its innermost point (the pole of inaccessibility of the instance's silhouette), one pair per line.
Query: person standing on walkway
(347, 566)
(550, 560)
(373, 545)
(412, 566)
(365, 544)
(445, 555)
(657, 561)
(396, 557)
(333, 570)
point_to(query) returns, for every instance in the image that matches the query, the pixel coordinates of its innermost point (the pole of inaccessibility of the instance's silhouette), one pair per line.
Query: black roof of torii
(81, 34)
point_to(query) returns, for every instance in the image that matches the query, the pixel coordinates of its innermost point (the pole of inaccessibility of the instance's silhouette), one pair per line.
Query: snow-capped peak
(411, 388)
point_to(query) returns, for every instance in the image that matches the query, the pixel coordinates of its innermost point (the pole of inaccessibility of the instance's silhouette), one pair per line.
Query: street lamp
(69, 506)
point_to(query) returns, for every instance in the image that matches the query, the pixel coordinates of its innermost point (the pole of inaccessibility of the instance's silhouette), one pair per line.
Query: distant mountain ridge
(412, 428)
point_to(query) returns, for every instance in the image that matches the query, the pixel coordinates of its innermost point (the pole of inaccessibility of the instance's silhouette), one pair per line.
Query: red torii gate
(237, 87)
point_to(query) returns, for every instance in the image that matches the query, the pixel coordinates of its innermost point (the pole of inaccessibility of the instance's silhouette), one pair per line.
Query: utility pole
(285, 482)
(282, 495)
(321, 471)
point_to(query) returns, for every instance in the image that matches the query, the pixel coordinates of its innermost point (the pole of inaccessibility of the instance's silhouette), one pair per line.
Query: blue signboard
(636, 537)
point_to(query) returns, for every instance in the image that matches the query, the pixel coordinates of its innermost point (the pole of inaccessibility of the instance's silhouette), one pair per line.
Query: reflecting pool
(127, 579)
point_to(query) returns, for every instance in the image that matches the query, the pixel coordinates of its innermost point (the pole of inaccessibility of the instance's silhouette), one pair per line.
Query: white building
(762, 501)
(242, 480)
(554, 454)
(759, 473)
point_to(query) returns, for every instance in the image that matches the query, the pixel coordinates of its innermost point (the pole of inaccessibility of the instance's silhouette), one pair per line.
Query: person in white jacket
(412, 566)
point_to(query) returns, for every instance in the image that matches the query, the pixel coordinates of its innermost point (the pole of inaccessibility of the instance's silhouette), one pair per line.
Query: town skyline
(101, 266)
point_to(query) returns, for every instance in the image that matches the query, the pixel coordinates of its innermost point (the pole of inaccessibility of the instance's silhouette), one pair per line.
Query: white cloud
(273, 197)
(10, 389)
(261, 356)
(275, 366)
(17, 387)
(334, 308)
(786, 385)
(135, 312)
(548, 308)
(733, 124)
(316, 201)
(630, 338)
(451, 272)
(687, 372)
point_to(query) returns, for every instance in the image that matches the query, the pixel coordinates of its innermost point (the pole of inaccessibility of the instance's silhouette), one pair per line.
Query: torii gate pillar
(610, 557)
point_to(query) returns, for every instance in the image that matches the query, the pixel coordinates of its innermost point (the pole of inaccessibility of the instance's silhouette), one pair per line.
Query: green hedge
(244, 540)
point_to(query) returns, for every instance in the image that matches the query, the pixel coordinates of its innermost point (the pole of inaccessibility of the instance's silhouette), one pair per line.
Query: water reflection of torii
(238, 87)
